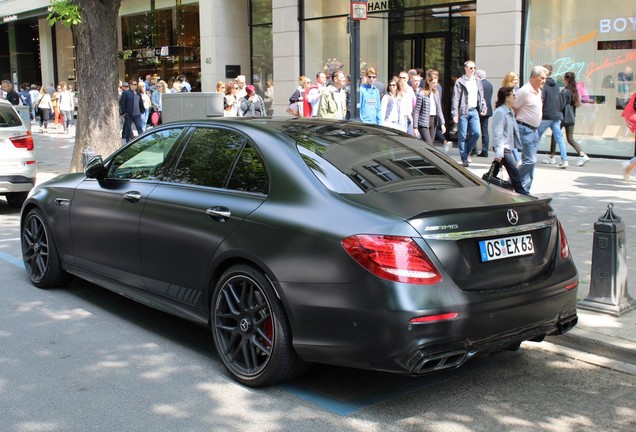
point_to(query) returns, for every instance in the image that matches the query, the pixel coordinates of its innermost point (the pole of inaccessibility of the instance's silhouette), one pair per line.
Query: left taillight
(23, 141)
(394, 258)
(565, 247)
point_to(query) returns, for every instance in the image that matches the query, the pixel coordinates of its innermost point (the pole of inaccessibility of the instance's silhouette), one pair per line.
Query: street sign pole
(358, 12)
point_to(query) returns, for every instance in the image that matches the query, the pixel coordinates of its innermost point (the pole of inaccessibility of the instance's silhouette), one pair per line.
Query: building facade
(275, 41)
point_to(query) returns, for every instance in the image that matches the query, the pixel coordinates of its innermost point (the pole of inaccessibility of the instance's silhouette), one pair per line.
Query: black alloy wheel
(39, 253)
(250, 329)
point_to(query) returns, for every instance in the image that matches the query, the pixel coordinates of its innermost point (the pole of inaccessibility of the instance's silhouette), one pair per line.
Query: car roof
(298, 127)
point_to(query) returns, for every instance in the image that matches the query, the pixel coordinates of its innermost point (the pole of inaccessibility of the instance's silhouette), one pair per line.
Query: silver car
(17, 157)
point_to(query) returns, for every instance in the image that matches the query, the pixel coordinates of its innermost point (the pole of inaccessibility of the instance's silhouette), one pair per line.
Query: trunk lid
(464, 226)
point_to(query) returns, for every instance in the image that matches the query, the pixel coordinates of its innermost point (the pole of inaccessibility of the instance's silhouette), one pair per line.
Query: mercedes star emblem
(513, 217)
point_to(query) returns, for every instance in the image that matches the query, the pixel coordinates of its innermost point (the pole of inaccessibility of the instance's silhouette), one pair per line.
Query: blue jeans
(468, 123)
(555, 126)
(529, 141)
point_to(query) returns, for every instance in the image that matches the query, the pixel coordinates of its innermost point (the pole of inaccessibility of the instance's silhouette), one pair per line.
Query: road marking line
(11, 259)
(366, 399)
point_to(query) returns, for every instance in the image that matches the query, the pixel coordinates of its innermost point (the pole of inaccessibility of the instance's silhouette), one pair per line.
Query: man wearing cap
(131, 106)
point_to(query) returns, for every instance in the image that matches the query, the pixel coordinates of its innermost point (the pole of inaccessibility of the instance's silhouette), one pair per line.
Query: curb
(592, 359)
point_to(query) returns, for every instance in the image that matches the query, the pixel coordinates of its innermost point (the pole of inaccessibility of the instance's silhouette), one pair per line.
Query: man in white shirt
(312, 94)
(528, 108)
(468, 103)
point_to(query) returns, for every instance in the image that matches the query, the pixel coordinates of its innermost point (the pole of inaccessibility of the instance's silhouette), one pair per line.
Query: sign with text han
(359, 10)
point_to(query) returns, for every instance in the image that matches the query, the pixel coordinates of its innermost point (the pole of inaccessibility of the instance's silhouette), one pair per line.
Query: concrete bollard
(608, 287)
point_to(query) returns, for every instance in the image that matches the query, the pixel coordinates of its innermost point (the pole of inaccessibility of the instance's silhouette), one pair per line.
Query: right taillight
(394, 258)
(565, 248)
(23, 141)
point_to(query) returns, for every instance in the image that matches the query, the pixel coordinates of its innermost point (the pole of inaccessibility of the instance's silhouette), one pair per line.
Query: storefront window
(262, 51)
(398, 35)
(164, 41)
(600, 49)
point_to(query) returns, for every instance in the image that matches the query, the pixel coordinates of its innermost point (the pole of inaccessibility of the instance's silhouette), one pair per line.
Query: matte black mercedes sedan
(303, 240)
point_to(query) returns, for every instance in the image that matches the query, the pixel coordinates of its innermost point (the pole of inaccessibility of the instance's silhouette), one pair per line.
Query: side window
(144, 159)
(208, 157)
(249, 174)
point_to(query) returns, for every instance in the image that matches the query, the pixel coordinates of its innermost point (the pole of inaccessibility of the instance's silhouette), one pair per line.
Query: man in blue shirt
(370, 99)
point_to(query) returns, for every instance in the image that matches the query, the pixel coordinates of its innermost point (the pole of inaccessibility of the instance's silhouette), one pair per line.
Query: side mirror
(95, 168)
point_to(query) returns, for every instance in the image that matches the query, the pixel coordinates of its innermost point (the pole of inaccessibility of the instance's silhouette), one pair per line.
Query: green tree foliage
(65, 12)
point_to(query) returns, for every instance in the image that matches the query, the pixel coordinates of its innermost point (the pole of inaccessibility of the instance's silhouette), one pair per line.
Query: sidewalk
(580, 196)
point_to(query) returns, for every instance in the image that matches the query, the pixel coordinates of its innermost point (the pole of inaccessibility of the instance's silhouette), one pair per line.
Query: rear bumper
(383, 339)
(428, 360)
(10, 184)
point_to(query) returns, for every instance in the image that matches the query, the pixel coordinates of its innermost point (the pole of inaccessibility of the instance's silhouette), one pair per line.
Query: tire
(39, 253)
(16, 199)
(251, 331)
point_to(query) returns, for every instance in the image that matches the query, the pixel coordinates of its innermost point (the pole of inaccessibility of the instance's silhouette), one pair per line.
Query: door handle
(133, 196)
(219, 213)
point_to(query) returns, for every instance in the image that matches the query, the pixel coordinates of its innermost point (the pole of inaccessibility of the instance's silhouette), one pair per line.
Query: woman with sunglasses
(231, 101)
(390, 109)
(157, 102)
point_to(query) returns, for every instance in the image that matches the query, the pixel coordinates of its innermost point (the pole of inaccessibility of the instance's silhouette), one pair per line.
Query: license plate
(506, 247)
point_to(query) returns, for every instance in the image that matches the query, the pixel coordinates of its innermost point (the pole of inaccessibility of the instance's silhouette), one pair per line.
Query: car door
(219, 180)
(105, 213)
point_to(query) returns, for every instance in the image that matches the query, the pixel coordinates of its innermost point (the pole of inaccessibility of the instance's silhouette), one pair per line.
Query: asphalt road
(82, 359)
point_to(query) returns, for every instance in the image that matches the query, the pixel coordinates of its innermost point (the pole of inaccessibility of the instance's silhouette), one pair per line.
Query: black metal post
(354, 61)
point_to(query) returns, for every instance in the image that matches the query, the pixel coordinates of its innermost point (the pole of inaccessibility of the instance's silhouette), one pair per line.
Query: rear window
(371, 163)
(8, 116)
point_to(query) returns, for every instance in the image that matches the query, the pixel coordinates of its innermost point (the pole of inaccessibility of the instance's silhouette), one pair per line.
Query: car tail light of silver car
(23, 141)
(394, 258)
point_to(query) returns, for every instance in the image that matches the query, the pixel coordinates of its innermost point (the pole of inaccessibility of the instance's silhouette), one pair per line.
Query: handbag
(568, 115)
(155, 118)
(492, 176)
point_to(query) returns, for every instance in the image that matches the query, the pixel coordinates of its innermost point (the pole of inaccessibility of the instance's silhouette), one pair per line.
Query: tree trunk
(97, 77)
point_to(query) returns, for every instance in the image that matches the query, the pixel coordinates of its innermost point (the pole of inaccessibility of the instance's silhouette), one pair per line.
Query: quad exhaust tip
(436, 362)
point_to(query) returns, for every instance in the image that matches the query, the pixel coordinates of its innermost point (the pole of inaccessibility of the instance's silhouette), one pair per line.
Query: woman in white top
(147, 104)
(390, 107)
(44, 107)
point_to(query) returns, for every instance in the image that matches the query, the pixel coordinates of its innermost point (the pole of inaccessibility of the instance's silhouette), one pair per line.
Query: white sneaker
(583, 160)
(448, 145)
(549, 160)
(563, 164)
